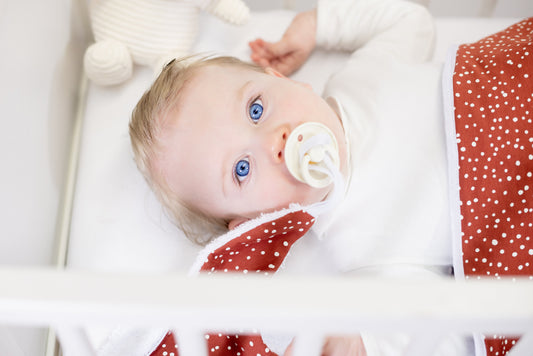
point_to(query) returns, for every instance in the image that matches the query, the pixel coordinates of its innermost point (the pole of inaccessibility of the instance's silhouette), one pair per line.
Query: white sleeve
(376, 27)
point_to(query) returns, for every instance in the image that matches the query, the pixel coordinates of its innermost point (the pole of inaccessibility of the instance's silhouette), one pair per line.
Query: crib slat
(191, 341)
(424, 343)
(523, 347)
(8, 344)
(289, 4)
(308, 344)
(487, 8)
(74, 341)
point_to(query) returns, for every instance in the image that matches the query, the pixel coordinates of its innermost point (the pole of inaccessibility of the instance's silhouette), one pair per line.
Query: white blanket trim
(453, 161)
(453, 178)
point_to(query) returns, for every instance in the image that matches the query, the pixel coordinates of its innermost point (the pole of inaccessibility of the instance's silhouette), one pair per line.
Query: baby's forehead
(213, 82)
(206, 83)
(216, 71)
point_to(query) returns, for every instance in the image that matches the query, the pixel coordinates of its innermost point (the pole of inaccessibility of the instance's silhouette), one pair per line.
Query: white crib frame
(307, 307)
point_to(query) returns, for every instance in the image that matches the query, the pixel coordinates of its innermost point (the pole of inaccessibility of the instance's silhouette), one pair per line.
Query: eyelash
(240, 179)
(256, 100)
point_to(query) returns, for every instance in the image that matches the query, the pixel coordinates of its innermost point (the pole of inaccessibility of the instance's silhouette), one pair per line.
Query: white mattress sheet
(116, 224)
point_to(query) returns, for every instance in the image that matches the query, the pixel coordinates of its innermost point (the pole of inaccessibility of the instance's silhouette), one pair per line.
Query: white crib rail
(307, 307)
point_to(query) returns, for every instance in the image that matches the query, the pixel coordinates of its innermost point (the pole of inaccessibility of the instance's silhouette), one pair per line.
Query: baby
(209, 137)
(234, 119)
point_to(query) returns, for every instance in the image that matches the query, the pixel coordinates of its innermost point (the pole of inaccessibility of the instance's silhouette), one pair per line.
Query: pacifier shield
(306, 149)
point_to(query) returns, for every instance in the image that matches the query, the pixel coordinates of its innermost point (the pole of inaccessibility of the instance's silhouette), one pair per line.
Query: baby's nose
(277, 144)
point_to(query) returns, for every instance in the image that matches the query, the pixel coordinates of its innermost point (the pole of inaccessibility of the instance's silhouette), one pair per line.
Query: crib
(104, 272)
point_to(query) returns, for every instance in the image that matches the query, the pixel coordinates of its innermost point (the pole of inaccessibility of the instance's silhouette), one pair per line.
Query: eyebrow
(242, 90)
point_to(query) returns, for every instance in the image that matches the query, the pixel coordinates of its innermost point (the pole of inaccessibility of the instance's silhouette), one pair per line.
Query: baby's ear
(236, 222)
(272, 71)
(275, 73)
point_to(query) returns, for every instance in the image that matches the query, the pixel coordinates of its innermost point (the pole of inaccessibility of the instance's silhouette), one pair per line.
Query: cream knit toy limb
(147, 32)
(231, 11)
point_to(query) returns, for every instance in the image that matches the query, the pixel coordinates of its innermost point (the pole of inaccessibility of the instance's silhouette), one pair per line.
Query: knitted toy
(147, 32)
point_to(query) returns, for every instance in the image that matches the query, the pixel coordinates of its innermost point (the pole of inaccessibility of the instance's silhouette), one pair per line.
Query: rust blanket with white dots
(257, 247)
(492, 159)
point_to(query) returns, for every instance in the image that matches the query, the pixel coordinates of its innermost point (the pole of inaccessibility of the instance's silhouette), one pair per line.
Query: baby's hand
(292, 50)
(344, 346)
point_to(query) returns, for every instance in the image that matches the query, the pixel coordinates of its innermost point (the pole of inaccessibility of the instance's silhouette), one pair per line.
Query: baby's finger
(256, 58)
(256, 44)
(262, 62)
(257, 41)
(283, 66)
(260, 49)
(273, 49)
(278, 49)
(254, 47)
(289, 63)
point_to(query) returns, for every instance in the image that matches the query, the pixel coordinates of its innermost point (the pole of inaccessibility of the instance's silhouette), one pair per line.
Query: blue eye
(256, 110)
(242, 168)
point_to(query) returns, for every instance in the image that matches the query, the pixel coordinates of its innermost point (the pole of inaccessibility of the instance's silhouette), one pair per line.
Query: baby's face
(224, 149)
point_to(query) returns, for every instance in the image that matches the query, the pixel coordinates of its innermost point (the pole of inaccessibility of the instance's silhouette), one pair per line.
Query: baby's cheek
(277, 198)
(276, 194)
(304, 194)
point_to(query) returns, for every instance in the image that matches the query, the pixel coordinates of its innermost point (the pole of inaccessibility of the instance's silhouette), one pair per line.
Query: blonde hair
(147, 126)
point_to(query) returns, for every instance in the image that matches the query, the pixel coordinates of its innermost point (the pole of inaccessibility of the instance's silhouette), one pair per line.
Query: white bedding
(116, 222)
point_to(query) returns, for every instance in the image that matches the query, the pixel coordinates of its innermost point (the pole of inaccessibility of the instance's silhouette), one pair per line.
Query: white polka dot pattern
(219, 344)
(493, 102)
(260, 250)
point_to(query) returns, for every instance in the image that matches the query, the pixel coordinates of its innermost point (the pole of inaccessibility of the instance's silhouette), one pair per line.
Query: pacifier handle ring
(320, 140)
(309, 179)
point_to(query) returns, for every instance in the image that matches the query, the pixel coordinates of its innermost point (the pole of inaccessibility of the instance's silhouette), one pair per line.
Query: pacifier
(312, 154)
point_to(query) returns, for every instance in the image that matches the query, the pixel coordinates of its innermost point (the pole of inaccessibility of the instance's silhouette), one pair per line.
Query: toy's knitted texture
(228, 10)
(147, 32)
